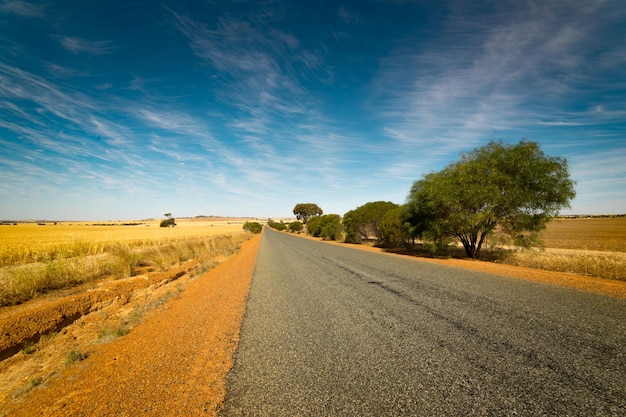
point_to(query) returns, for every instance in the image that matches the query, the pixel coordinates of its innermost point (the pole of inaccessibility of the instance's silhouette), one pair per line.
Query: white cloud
(78, 45)
(22, 8)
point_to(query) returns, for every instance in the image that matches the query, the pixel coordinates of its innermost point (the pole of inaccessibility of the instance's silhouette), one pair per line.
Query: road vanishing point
(335, 331)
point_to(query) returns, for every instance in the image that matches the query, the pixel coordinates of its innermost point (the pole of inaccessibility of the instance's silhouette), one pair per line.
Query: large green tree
(304, 211)
(512, 189)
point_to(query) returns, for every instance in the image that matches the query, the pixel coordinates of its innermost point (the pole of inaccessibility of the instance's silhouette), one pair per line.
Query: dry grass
(611, 265)
(37, 259)
(593, 247)
(30, 242)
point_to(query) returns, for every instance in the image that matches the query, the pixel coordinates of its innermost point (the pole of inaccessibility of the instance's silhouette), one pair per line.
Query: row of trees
(511, 191)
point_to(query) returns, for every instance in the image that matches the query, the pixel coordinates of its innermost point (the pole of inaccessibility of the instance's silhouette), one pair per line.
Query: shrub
(391, 233)
(331, 227)
(169, 222)
(253, 227)
(75, 356)
(328, 226)
(276, 225)
(295, 227)
(314, 226)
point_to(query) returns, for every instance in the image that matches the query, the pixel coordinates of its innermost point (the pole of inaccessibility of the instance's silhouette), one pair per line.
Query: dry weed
(611, 265)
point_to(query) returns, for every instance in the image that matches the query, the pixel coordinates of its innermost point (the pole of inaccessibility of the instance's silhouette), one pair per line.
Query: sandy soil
(175, 362)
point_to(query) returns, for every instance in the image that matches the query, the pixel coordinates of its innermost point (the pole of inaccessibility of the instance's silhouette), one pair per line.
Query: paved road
(333, 331)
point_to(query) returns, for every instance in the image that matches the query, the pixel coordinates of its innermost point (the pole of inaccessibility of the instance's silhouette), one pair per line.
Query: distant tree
(169, 221)
(363, 223)
(514, 189)
(304, 211)
(253, 227)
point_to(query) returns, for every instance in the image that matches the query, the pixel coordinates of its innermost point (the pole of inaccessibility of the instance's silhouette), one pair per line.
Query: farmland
(37, 258)
(593, 234)
(587, 246)
(32, 242)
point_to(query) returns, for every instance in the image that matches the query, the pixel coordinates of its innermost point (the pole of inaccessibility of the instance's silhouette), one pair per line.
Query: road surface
(331, 330)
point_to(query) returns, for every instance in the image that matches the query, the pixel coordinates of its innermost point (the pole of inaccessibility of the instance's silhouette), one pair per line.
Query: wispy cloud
(259, 66)
(22, 8)
(475, 81)
(78, 45)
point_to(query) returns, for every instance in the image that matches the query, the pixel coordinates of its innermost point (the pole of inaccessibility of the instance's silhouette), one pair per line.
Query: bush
(296, 227)
(314, 226)
(253, 227)
(276, 225)
(391, 233)
(169, 222)
(331, 227)
(328, 226)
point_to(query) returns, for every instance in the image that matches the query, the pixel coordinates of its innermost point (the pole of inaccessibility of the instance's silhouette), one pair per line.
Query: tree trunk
(469, 245)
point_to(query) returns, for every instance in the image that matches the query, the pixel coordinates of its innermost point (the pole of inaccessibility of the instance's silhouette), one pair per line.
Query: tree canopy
(364, 222)
(328, 226)
(514, 189)
(304, 211)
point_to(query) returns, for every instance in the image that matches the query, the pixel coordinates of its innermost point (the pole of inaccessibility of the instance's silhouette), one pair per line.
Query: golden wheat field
(594, 234)
(587, 246)
(37, 258)
(31, 242)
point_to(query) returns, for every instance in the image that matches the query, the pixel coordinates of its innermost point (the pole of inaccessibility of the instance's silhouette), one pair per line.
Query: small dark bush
(278, 226)
(253, 227)
(296, 226)
(169, 222)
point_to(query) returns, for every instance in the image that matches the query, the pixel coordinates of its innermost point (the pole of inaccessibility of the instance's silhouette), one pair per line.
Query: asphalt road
(335, 331)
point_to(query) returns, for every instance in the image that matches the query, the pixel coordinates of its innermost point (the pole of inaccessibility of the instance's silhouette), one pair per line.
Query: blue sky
(128, 110)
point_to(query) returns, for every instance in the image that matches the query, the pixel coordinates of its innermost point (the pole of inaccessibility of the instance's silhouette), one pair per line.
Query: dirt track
(173, 364)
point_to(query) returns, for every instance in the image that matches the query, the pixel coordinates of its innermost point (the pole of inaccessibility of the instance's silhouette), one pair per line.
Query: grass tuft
(109, 335)
(75, 356)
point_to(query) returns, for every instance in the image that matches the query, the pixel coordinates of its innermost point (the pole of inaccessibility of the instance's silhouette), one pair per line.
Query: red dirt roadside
(175, 363)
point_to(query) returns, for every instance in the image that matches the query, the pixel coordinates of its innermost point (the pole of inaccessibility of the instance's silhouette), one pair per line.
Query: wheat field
(37, 258)
(31, 242)
(587, 246)
(593, 234)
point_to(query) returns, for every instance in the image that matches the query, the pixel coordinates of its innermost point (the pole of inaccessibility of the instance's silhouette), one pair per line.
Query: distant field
(593, 247)
(30, 242)
(594, 234)
(35, 259)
